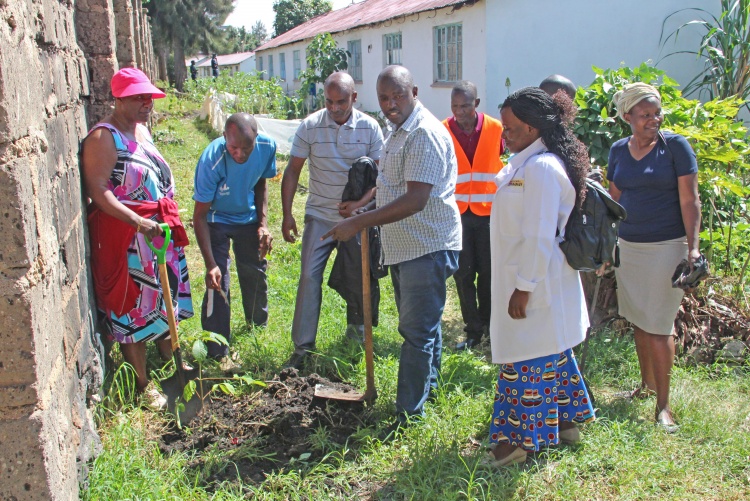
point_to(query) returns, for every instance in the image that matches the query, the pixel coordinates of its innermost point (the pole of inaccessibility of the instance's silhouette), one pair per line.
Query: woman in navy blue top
(654, 175)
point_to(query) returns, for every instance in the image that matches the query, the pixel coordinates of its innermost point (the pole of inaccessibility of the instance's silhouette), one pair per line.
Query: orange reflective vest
(475, 186)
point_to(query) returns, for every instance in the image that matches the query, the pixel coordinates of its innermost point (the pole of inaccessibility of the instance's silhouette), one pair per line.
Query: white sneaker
(154, 399)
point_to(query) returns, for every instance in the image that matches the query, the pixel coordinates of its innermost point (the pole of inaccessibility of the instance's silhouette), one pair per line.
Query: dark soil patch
(264, 432)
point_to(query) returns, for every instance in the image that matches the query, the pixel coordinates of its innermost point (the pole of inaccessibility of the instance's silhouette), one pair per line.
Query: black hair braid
(552, 116)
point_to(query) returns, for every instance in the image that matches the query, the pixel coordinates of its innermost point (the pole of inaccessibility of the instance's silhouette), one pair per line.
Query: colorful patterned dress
(141, 173)
(532, 397)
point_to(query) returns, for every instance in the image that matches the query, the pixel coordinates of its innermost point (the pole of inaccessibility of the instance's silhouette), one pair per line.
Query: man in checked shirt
(421, 231)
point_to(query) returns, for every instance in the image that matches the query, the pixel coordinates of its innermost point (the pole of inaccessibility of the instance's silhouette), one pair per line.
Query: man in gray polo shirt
(421, 231)
(331, 140)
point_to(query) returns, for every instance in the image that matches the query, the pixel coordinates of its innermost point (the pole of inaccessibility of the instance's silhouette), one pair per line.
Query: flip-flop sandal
(665, 421)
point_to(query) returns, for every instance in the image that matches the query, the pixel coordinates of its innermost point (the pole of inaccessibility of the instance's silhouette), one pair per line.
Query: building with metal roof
(500, 45)
(233, 63)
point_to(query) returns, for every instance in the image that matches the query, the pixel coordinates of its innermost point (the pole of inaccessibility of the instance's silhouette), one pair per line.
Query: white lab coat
(533, 200)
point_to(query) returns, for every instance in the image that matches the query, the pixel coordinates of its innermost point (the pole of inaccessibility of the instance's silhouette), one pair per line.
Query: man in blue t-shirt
(231, 204)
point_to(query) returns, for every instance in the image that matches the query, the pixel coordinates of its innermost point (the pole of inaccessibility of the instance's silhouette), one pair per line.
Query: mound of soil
(270, 429)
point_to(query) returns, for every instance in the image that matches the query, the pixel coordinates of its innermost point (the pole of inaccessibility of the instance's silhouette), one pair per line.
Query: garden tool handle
(161, 260)
(370, 392)
(161, 252)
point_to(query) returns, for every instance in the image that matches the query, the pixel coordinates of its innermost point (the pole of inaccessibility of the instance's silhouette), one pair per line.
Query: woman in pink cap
(132, 191)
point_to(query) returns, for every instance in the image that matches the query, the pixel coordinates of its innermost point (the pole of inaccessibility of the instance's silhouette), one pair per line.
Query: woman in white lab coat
(538, 311)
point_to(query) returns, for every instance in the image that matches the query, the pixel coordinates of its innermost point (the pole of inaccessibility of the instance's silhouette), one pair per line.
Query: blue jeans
(419, 289)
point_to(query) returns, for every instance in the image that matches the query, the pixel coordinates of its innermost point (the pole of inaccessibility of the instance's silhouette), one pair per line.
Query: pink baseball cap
(131, 82)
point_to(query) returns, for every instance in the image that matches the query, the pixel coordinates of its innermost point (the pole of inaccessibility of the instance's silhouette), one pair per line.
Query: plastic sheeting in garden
(282, 131)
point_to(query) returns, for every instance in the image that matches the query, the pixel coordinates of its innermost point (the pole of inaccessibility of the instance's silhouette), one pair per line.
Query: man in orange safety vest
(478, 144)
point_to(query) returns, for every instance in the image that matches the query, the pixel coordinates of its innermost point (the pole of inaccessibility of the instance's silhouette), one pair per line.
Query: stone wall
(56, 60)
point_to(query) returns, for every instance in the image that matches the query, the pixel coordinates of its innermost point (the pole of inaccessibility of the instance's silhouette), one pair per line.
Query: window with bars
(260, 67)
(391, 49)
(355, 59)
(297, 64)
(270, 66)
(448, 58)
(282, 65)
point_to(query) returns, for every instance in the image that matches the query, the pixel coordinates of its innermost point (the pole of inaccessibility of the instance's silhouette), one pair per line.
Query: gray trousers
(314, 256)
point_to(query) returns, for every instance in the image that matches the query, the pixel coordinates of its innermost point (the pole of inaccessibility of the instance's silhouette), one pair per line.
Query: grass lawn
(621, 456)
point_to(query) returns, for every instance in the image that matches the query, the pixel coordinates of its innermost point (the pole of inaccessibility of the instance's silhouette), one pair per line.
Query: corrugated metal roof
(228, 59)
(356, 15)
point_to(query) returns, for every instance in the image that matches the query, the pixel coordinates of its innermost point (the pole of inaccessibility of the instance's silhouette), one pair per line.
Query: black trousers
(251, 271)
(474, 265)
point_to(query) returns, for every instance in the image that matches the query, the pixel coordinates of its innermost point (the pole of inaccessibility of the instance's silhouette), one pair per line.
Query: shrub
(254, 95)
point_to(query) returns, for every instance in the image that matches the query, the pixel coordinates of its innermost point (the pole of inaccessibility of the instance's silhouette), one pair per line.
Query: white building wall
(530, 40)
(248, 65)
(417, 55)
(290, 85)
(524, 42)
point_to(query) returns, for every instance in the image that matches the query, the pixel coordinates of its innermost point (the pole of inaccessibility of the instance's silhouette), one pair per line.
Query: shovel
(174, 386)
(370, 394)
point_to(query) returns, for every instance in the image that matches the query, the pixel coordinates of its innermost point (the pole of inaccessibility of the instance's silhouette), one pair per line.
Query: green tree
(181, 26)
(324, 57)
(239, 40)
(259, 33)
(292, 13)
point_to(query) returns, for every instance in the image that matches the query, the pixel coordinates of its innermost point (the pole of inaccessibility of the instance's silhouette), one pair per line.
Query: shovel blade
(173, 388)
(331, 393)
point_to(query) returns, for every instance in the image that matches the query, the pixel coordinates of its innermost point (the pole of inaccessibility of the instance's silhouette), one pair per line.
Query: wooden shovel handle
(166, 291)
(370, 392)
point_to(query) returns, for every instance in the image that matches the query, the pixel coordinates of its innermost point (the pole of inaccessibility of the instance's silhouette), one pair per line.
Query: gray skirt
(645, 296)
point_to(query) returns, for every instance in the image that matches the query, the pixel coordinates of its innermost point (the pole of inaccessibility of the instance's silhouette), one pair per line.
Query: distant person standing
(193, 70)
(214, 66)
(478, 143)
(554, 83)
(231, 202)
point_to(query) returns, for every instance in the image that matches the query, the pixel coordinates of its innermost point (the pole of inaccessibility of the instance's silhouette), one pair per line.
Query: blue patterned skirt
(533, 396)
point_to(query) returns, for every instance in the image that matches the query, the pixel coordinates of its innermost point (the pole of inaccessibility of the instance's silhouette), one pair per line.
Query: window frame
(282, 65)
(296, 64)
(442, 71)
(354, 60)
(387, 38)
(270, 66)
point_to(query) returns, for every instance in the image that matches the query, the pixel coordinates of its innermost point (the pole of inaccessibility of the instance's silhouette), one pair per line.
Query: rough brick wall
(56, 60)
(48, 365)
(95, 24)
